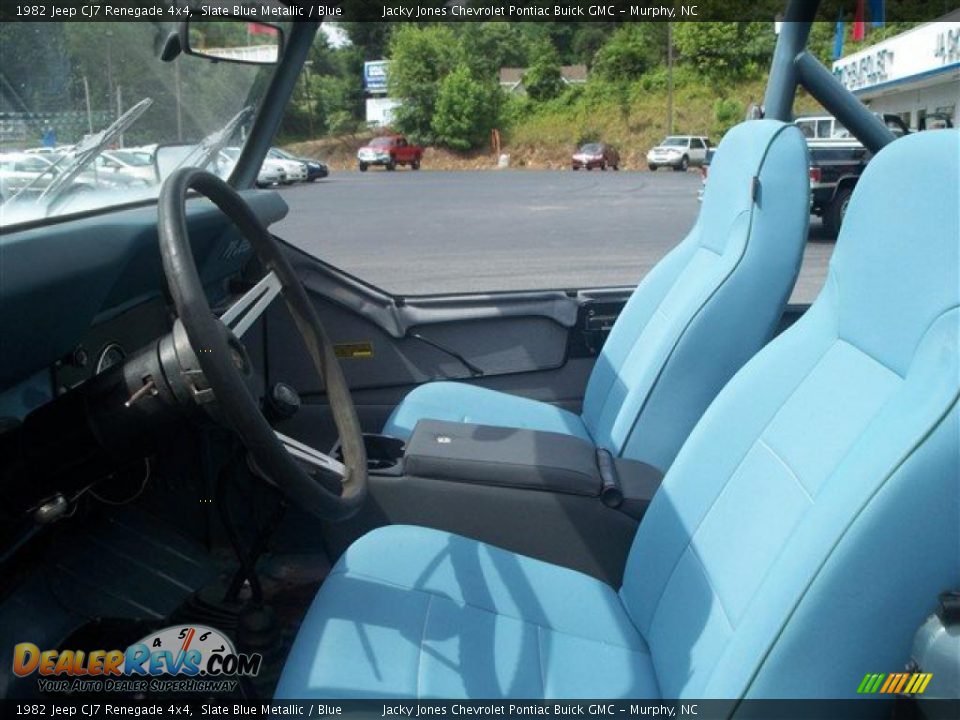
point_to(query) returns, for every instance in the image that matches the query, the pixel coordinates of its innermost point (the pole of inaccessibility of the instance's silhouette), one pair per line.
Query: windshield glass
(591, 149)
(380, 142)
(100, 97)
(675, 142)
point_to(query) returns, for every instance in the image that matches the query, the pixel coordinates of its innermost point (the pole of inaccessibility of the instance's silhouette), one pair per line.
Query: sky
(335, 35)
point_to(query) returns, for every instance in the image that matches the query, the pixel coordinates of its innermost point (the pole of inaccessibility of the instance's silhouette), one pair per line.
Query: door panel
(540, 345)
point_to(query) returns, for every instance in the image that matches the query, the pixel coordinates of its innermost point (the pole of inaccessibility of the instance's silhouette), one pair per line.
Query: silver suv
(679, 152)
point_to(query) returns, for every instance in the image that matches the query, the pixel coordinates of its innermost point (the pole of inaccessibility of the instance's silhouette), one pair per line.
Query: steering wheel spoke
(313, 458)
(245, 311)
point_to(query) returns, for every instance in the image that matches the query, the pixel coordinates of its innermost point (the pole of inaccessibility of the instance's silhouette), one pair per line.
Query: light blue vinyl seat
(702, 312)
(798, 541)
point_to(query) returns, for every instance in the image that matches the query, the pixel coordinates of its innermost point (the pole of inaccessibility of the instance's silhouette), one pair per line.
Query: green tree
(488, 46)
(466, 111)
(419, 60)
(630, 52)
(543, 79)
(725, 50)
(373, 38)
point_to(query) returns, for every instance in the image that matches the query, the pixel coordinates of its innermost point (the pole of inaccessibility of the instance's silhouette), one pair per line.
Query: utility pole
(308, 94)
(86, 94)
(120, 111)
(669, 79)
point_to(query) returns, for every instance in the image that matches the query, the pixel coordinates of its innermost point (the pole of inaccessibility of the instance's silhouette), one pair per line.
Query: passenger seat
(696, 318)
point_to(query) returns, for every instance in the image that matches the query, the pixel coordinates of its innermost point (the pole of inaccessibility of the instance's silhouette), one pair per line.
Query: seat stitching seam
(789, 469)
(463, 603)
(423, 638)
(871, 357)
(894, 469)
(709, 509)
(691, 319)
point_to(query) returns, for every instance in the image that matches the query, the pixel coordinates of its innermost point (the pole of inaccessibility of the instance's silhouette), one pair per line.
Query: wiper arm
(89, 149)
(206, 150)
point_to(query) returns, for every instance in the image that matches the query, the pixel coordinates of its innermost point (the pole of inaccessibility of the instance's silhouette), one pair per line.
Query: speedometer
(111, 355)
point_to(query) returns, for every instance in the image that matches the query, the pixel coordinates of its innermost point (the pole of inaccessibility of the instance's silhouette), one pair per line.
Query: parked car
(827, 127)
(315, 169)
(835, 168)
(34, 172)
(389, 151)
(294, 170)
(133, 163)
(679, 152)
(272, 172)
(59, 149)
(18, 170)
(596, 155)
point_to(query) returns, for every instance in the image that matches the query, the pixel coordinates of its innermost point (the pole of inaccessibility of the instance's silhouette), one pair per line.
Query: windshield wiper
(206, 150)
(85, 152)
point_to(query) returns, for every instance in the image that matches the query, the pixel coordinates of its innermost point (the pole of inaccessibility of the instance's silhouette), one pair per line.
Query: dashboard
(79, 295)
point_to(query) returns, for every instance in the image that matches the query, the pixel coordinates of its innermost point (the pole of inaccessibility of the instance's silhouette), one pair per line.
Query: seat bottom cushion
(459, 402)
(410, 612)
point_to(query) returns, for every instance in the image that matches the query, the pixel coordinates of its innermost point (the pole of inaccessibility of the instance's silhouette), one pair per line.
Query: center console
(529, 460)
(547, 495)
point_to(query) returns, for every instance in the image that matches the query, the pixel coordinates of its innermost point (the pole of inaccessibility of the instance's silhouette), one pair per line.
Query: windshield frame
(267, 116)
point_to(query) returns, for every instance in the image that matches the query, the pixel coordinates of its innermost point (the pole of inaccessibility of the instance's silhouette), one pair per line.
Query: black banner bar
(103, 706)
(445, 10)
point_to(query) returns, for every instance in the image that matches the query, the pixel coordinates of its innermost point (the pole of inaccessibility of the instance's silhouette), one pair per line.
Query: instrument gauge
(111, 355)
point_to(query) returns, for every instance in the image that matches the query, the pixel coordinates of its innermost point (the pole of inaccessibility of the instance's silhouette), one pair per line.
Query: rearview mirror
(234, 41)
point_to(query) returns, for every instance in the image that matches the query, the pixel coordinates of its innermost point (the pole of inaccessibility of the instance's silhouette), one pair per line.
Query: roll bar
(793, 66)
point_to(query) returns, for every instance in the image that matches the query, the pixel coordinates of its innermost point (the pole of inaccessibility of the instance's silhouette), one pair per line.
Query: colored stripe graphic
(901, 682)
(894, 683)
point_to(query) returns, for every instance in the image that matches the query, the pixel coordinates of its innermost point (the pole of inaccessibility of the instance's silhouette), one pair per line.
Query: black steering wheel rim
(210, 340)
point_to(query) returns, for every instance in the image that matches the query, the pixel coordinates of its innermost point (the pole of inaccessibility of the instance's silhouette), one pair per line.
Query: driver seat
(798, 541)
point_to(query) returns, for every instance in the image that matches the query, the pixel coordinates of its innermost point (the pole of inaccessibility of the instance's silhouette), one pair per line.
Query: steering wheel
(214, 365)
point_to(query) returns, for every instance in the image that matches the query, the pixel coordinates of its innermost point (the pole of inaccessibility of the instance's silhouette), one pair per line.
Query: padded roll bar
(830, 93)
(782, 83)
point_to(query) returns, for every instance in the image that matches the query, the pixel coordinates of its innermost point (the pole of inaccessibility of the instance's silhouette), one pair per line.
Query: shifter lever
(281, 403)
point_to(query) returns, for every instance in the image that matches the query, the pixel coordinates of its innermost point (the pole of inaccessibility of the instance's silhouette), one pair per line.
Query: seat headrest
(896, 267)
(749, 150)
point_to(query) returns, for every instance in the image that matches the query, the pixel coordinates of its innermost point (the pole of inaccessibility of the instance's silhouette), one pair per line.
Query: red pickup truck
(389, 151)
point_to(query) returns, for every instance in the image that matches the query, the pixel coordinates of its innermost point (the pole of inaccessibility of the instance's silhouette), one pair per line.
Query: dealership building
(915, 75)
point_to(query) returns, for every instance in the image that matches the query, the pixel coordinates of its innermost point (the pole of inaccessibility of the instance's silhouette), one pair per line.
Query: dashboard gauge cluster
(109, 343)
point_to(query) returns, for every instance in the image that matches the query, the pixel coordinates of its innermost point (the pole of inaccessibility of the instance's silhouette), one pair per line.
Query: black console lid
(509, 457)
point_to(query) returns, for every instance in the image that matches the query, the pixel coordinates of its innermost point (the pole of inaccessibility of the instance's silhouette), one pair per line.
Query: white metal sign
(926, 50)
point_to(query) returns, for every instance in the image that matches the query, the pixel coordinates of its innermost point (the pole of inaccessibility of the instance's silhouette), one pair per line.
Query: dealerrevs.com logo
(177, 658)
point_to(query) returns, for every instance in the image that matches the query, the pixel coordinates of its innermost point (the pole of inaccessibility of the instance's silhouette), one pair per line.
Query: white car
(132, 163)
(18, 170)
(679, 152)
(272, 172)
(295, 170)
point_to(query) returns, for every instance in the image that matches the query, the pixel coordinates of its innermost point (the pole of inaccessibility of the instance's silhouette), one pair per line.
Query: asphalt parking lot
(438, 232)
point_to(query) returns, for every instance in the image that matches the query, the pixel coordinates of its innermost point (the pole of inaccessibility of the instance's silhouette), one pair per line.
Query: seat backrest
(809, 522)
(711, 303)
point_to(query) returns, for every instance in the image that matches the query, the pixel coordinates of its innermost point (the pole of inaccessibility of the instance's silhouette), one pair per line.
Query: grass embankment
(543, 135)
